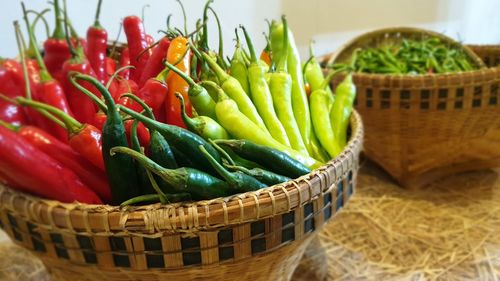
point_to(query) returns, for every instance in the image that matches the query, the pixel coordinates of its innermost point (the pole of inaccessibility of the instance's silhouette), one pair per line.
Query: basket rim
(332, 57)
(187, 217)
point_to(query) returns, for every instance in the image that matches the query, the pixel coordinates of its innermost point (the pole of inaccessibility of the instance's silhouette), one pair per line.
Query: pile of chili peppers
(410, 56)
(169, 120)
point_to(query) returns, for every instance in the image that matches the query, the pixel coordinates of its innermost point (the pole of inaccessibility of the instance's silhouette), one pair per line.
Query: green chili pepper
(239, 181)
(233, 88)
(272, 159)
(280, 84)
(199, 97)
(204, 126)
(240, 127)
(238, 67)
(299, 98)
(198, 184)
(314, 74)
(261, 95)
(120, 169)
(320, 113)
(341, 110)
(261, 175)
(183, 140)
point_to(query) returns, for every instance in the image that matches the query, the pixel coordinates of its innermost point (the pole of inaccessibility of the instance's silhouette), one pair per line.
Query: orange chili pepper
(179, 53)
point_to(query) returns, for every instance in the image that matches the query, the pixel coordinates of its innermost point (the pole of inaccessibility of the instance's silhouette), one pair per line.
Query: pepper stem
(9, 126)
(216, 88)
(27, 86)
(284, 55)
(72, 50)
(71, 124)
(183, 75)
(184, 16)
(44, 73)
(219, 72)
(88, 93)
(330, 76)
(217, 166)
(110, 103)
(59, 30)
(222, 152)
(117, 72)
(204, 39)
(141, 199)
(253, 56)
(146, 108)
(220, 56)
(97, 23)
(190, 123)
(32, 49)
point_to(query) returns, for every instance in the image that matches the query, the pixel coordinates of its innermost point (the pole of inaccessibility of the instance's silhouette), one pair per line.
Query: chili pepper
(83, 108)
(153, 93)
(261, 96)
(40, 174)
(187, 180)
(345, 94)
(199, 97)
(123, 86)
(280, 85)
(97, 38)
(137, 43)
(66, 156)
(83, 138)
(204, 126)
(238, 68)
(11, 86)
(261, 175)
(232, 87)
(119, 168)
(110, 67)
(180, 139)
(124, 61)
(178, 49)
(272, 159)
(56, 49)
(154, 64)
(238, 181)
(299, 98)
(12, 113)
(240, 127)
(49, 90)
(320, 115)
(314, 75)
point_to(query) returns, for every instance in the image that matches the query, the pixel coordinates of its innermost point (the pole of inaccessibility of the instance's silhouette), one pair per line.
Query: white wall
(329, 22)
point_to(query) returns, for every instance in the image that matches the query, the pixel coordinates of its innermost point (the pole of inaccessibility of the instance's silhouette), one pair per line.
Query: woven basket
(490, 54)
(253, 236)
(424, 127)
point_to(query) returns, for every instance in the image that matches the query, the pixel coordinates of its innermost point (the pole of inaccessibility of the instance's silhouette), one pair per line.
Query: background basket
(489, 54)
(253, 236)
(420, 128)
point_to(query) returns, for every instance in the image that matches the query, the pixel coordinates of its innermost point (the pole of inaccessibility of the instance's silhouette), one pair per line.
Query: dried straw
(447, 231)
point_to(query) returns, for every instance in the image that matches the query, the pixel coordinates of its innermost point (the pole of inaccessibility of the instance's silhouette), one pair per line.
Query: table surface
(446, 231)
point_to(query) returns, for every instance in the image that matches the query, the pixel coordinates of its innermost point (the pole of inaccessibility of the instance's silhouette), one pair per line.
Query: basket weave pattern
(268, 229)
(423, 127)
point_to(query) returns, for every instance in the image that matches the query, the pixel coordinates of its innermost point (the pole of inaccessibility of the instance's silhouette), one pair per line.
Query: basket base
(421, 180)
(278, 265)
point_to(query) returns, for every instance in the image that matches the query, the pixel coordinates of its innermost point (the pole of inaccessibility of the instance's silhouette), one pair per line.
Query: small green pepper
(341, 110)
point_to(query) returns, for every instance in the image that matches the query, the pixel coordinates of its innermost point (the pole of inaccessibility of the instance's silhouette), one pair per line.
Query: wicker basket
(490, 54)
(254, 236)
(421, 128)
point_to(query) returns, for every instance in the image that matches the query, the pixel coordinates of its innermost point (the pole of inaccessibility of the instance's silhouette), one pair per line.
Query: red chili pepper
(99, 120)
(153, 93)
(137, 44)
(97, 38)
(150, 39)
(38, 173)
(33, 71)
(12, 113)
(124, 61)
(56, 48)
(155, 62)
(142, 133)
(83, 138)
(65, 155)
(110, 67)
